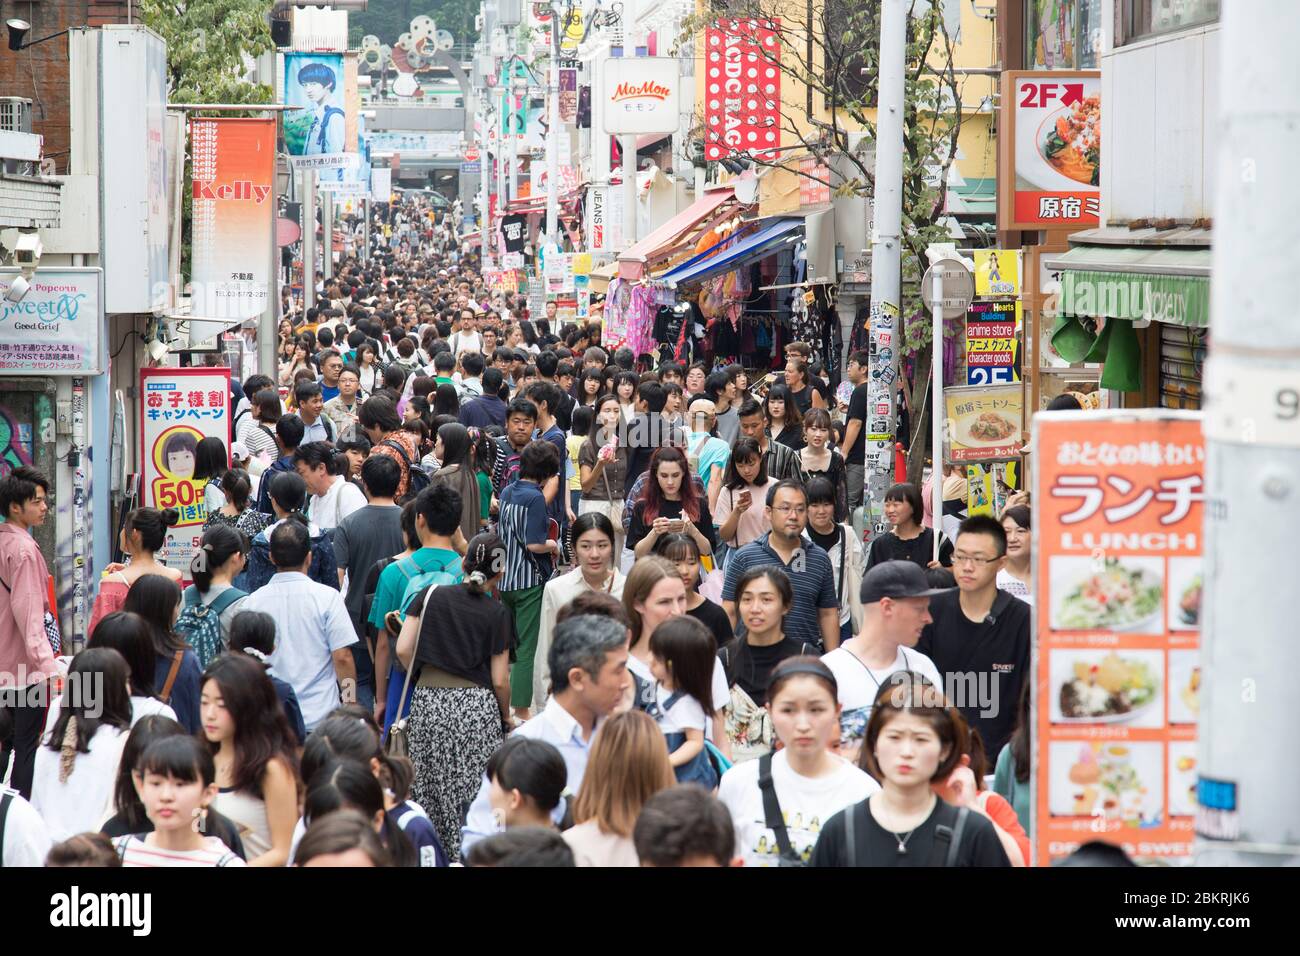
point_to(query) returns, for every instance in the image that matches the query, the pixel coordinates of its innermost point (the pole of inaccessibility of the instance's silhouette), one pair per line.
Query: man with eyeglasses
(980, 636)
(814, 617)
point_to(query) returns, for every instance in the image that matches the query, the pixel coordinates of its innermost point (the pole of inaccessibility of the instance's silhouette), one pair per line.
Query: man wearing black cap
(980, 636)
(895, 610)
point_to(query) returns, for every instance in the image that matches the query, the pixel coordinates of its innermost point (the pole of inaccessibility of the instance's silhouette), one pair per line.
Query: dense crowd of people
(475, 587)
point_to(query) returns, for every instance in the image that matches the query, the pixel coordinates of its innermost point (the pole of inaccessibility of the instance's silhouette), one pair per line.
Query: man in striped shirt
(524, 529)
(814, 617)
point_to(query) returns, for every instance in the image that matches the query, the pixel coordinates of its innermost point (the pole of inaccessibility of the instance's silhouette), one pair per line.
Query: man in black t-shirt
(855, 428)
(979, 640)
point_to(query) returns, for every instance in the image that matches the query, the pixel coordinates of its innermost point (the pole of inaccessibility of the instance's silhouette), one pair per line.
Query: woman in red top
(970, 774)
(143, 535)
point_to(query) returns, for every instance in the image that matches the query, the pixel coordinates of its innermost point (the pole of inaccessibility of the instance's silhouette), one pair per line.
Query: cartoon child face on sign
(175, 459)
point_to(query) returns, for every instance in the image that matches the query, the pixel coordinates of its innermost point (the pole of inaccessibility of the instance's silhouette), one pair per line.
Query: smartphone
(676, 525)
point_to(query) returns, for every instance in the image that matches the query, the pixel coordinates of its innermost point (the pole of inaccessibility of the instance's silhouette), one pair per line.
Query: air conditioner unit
(15, 114)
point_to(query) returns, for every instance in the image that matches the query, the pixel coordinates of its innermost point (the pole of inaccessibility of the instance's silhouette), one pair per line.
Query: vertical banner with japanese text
(233, 209)
(742, 87)
(1118, 571)
(178, 408)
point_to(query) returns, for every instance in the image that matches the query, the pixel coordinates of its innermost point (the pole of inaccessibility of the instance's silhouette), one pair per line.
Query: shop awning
(763, 241)
(632, 261)
(1163, 284)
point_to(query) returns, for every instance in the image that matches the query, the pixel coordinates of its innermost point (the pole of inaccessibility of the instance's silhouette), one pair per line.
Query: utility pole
(1248, 772)
(327, 234)
(308, 240)
(553, 133)
(886, 254)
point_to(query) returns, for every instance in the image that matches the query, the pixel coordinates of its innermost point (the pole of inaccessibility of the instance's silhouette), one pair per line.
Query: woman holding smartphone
(669, 504)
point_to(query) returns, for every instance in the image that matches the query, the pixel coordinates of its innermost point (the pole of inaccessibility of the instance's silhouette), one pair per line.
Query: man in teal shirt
(437, 517)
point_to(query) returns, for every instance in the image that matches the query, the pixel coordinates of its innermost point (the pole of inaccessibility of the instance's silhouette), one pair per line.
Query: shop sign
(1119, 523)
(1053, 123)
(641, 95)
(983, 423)
(56, 328)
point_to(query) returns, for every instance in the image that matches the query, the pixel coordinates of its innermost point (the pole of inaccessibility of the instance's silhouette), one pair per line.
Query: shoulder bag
(773, 819)
(399, 742)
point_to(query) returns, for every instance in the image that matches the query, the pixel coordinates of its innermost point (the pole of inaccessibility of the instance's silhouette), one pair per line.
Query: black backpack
(417, 478)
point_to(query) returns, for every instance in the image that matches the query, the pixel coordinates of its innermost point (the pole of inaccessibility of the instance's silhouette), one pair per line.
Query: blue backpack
(200, 624)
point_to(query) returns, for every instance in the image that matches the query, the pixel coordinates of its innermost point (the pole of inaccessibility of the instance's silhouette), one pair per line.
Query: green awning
(1135, 282)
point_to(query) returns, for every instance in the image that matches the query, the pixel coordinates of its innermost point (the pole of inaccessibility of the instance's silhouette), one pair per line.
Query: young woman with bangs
(683, 552)
(915, 748)
(779, 803)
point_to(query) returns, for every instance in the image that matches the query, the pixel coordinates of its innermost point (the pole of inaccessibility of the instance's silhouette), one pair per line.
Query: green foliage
(210, 47)
(389, 19)
(840, 68)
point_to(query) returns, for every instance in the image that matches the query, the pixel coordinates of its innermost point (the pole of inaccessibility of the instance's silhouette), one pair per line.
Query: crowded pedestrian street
(466, 434)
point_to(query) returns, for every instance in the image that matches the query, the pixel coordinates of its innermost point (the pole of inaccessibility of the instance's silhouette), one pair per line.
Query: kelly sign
(641, 95)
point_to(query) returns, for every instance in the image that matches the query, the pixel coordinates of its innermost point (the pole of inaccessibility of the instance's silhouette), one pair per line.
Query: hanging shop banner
(597, 212)
(997, 272)
(315, 134)
(56, 328)
(814, 183)
(514, 228)
(179, 407)
(1119, 526)
(641, 94)
(742, 87)
(568, 96)
(381, 184)
(991, 342)
(984, 423)
(233, 206)
(1053, 124)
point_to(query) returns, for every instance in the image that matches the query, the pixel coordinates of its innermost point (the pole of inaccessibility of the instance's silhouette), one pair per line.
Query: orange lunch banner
(1118, 517)
(233, 210)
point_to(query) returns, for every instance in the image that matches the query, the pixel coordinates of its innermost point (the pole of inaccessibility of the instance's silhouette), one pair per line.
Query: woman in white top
(741, 514)
(593, 548)
(628, 765)
(76, 766)
(333, 497)
(368, 368)
(252, 746)
(1016, 574)
(809, 782)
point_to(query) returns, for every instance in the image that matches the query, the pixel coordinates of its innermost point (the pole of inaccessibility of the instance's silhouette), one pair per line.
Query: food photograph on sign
(1108, 593)
(1121, 781)
(1185, 586)
(1107, 687)
(984, 423)
(1057, 147)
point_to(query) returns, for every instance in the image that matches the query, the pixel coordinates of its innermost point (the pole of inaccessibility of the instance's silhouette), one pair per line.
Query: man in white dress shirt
(313, 629)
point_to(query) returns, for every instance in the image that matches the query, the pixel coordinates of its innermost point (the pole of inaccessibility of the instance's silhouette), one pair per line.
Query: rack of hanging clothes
(630, 310)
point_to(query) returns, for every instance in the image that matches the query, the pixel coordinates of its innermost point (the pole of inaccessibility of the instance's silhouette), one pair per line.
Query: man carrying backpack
(437, 517)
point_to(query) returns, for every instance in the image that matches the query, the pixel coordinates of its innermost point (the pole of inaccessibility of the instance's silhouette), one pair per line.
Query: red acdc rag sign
(742, 99)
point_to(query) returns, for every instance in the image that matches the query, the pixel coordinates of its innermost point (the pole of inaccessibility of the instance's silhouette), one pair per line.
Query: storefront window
(1062, 34)
(1147, 18)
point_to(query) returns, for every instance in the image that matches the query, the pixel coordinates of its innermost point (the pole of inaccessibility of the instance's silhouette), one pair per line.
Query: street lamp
(18, 29)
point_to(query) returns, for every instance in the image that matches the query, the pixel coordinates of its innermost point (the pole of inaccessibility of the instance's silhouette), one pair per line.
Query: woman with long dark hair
(820, 460)
(351, 785)
(684, 553)
(252, 747)
(741, 510)
(459, 638)
(784, 421)
(177, 672)
(72, 783)
(669, 504)
(144, 532)
(456, 471)
(602, 469)
(129, 635)
(211, 459)
(445, 401)
(592, 543)
(589, 386)
(219, 558)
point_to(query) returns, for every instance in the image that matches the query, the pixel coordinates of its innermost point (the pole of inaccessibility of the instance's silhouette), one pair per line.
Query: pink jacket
(25, 653)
